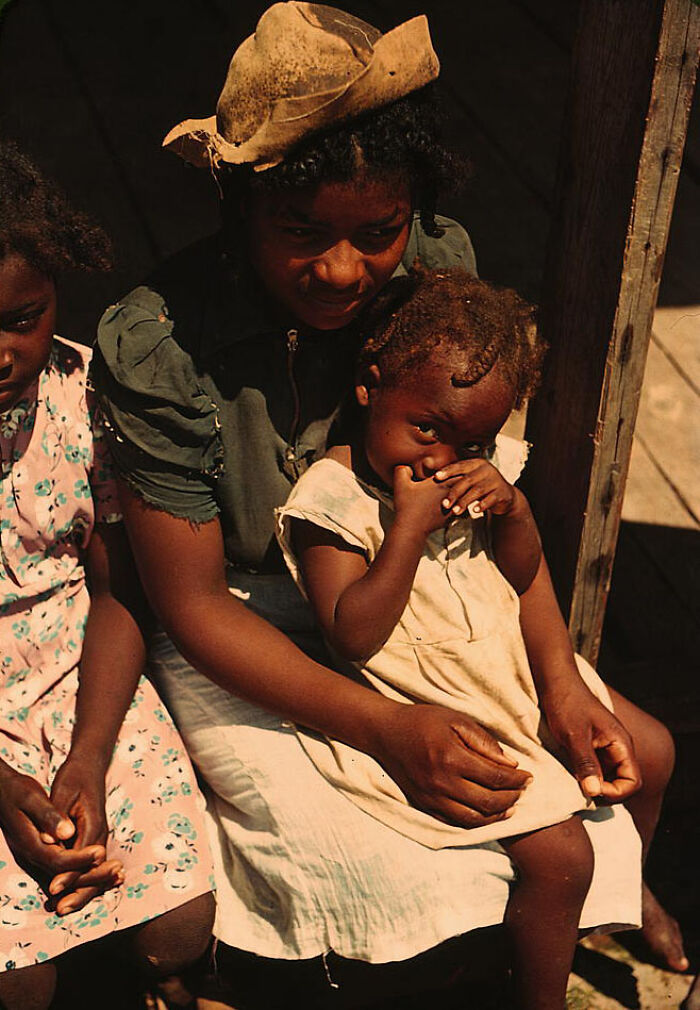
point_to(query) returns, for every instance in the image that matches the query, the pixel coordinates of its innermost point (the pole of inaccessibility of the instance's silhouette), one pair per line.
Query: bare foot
(662, 934)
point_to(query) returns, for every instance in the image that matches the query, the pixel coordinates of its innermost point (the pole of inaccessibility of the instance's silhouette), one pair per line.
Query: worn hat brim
(403, 61)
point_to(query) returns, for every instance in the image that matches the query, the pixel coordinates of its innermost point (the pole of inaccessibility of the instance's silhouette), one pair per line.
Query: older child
(424, 568)
(101, 823)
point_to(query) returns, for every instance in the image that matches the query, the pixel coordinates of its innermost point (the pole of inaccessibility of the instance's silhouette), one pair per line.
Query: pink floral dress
(55, 483)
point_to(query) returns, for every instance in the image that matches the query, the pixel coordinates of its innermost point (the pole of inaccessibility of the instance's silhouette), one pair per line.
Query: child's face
(27, 318)
(427, 423)
(324, 253)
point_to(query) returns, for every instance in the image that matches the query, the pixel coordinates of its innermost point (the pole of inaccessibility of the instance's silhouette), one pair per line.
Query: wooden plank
(667, 427)
(634, 69)
(676, 331)
(649, 498)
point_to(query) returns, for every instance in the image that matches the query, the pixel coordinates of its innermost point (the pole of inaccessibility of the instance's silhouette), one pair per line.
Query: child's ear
(367, 384)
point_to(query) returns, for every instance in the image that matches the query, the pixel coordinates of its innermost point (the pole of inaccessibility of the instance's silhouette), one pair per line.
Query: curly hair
(451, 309)
(401, 138)
(37, 221)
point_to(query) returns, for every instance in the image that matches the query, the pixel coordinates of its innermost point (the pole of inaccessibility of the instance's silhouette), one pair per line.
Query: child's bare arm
(112, 660)
(358, 605)
(600, 749)
(514, 536)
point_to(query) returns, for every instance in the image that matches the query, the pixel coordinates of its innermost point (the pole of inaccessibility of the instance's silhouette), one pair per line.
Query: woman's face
(325, 252)
(27, 318)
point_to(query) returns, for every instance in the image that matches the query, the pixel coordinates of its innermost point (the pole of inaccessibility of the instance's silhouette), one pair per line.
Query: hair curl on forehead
(38, 223)
(429, 312)
(402, 139)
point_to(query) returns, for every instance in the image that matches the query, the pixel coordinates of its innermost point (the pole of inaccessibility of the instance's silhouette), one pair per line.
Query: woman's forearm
(250, 658)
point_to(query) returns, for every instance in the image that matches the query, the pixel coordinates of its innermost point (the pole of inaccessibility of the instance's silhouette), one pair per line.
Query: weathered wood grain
(634, 67)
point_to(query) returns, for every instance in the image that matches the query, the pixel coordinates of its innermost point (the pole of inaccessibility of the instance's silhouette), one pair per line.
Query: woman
(221, 381)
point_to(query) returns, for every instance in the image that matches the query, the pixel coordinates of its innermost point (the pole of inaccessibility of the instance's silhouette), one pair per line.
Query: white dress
(301, 870)
(458, 643)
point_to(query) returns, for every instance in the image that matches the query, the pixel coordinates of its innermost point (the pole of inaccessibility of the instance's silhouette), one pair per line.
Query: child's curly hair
(401, 138)
(451, 308)
(37, 221)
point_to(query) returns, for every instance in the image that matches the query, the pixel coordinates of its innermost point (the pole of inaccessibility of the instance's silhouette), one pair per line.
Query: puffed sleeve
(451, 249)
(161, 424)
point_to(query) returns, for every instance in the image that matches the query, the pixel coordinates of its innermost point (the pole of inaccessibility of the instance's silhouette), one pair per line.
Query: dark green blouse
(212, 406)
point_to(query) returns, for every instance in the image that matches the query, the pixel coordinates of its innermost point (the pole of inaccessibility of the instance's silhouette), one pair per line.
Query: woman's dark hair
(37, 221)
(452, 309)
(403, 138)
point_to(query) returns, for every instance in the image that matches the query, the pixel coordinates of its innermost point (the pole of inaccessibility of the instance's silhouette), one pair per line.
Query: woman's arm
(112, 661)
(600, 749)
(442, 759)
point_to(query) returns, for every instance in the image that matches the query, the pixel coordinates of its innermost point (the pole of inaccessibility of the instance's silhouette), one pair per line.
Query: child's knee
(172, 942)
(558, 860)
(30, 988)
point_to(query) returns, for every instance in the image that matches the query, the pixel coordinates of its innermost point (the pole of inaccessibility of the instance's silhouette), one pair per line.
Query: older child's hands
(419, 502)
(475, 482)
(600, 749)
(78, 792)
(38, 833)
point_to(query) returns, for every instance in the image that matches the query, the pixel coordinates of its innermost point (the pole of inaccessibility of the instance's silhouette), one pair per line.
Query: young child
(424, 567)
(101, 824)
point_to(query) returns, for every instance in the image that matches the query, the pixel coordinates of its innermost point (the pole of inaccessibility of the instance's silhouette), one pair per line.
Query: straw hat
(306, 67)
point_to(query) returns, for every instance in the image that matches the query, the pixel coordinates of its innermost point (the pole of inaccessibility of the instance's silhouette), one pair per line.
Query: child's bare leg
(555, 866)
(655, 753)
(29, 988)
(165, 947)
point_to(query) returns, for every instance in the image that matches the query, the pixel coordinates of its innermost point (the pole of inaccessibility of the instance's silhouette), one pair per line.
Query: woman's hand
(78, 792)
(478, 483)
(449, 766)
(599, 748)
(38, 832)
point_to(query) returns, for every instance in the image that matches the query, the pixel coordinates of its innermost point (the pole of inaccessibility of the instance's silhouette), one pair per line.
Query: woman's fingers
(451, 766)
(477, 739)
(622, 775)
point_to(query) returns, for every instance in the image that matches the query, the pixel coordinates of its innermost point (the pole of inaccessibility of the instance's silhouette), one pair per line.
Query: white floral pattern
(56, 481)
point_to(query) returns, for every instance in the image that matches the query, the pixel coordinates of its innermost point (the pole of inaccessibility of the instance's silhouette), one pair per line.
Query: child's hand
(419, 502)
(78, 791)
(478, 483)
(42, 838)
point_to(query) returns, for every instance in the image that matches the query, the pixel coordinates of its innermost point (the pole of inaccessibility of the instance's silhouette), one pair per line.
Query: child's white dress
(458, 643)
(55, 483)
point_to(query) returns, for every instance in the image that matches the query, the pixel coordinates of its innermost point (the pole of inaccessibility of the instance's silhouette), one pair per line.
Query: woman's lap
(301, 870)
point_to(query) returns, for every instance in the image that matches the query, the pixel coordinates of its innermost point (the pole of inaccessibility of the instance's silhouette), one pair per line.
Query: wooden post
(634, 66)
